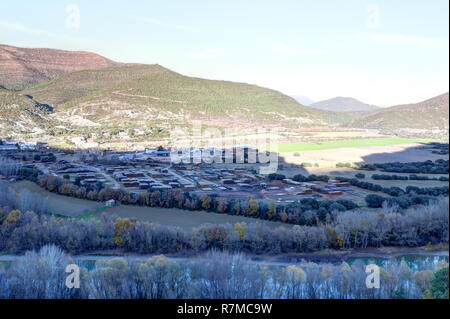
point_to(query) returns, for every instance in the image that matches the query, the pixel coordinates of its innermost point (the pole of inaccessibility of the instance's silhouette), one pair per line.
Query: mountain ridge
(428, 114)
(343, 104)
(22, 67)
(131, 95)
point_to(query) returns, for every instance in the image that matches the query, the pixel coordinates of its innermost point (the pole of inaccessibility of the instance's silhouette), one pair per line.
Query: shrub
(374, 201)
(341, 165)
(276, 177)
(439, 284)
(300, 178)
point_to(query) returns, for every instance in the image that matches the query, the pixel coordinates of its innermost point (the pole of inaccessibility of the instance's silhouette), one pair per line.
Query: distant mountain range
(84, 90)
(45, 90)
(21, 67)
(430, 114)
(137, 94)
(343, 104)
(303, 100)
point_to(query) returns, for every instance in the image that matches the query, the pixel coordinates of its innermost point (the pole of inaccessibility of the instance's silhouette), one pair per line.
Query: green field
(362, 142)
(347, 134)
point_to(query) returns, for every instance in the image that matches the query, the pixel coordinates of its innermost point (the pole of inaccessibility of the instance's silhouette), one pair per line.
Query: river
(418, 261)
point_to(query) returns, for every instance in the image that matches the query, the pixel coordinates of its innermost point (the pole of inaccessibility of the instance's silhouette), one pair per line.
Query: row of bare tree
(217, 275)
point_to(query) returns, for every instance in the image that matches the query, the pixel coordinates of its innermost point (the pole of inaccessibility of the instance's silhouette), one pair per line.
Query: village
(156, 170)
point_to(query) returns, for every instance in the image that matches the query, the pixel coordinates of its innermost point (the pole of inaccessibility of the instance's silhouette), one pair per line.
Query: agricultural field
(186, 220)
(324, 159)
(357, 143)
(348, 134)
(58, 204)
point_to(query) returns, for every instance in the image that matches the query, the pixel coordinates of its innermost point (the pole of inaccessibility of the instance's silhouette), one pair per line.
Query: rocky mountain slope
(22, 67)
(19, 114)
(431, 114)
(65, 93)
(136, 94)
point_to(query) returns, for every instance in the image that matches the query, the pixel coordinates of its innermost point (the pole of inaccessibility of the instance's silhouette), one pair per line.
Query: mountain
(21, 115)
(343, 104)
(340, 118)
(54, 94)
(134, 95)
(427, 115)
(22, 67)
(85, 94)
(303, 100)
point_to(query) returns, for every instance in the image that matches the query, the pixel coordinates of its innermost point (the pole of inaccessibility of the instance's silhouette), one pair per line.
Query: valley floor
(81, 208)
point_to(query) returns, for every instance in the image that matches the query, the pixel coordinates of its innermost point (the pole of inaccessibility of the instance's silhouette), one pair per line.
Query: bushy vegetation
(389, 177)
(439, 148)
(217, 275)
(412, 177)
(10, 167)
(412, 195)
(311, 178)
(25, 230)
(428, 167)
(341, 165)
(275, 177)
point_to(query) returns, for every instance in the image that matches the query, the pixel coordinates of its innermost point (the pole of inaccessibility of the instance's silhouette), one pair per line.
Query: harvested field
(184, 219)
(371, 154)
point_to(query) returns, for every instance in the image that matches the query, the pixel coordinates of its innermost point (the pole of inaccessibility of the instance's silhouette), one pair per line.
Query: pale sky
(380, 52)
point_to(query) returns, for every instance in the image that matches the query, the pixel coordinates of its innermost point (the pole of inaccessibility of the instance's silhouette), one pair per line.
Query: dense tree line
(342, 165)
(412, 195)
(418, 226)
(10, 168)
(311, 178)
(415, 177)
(403, 202)
(23, 200)
(389, 177)
(439, 166)
(217, 275)
(412, 177)
(307, 211)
